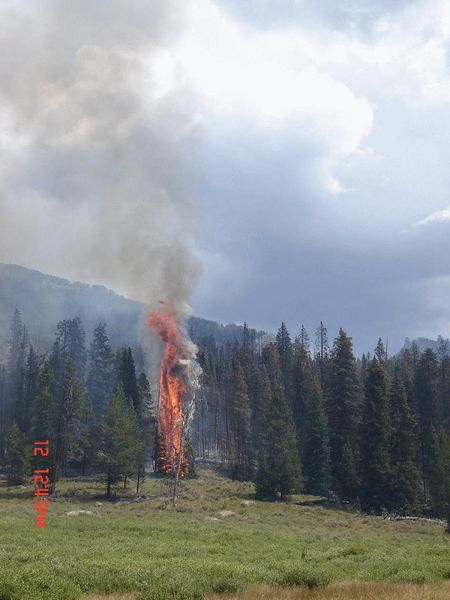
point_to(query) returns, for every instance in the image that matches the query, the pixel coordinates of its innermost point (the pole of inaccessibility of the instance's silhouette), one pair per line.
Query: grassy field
(220, 543)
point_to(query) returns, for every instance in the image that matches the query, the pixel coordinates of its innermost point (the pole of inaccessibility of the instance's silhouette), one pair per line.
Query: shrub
(305, 576)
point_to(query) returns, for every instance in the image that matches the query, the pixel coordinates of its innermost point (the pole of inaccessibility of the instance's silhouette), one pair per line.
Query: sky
(285, 160)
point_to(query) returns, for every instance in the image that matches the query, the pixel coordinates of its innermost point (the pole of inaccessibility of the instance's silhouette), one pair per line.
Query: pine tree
(67, 425)
(303, 339)
(100, 382)
(405, 479)
(120, 442)
(147, 427)
(41, 421)
(321, 351)
(30, 382)
(278, 462)
(439, 478)
(426, 400)
(18, 453)
(316, 454)
(344, 415)
(14, 384)
(380, 352)
(126, 375)
(444, 393)
(69, 346)
(375, 468)
(240, 427)
(286, 354)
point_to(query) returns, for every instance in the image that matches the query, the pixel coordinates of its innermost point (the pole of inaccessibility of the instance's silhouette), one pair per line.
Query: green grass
(150, 549)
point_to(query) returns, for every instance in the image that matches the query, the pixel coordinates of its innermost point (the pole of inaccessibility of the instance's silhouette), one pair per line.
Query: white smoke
(91, 145)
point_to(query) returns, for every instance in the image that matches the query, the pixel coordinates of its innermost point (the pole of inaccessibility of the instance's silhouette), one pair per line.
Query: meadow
(219, 543)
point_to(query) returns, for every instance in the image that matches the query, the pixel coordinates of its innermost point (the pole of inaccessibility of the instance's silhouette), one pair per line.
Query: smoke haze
(92, 146)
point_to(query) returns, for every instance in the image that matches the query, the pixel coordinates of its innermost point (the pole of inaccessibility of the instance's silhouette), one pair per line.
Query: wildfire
(173, 390)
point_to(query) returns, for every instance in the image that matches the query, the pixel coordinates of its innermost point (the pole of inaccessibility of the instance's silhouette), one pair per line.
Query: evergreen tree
(426, 400)
(278, 462)
(69, 346)
(14, 384)
(126, 376)
(120, 442)
(405, 480)
(439, 479)
(240, 436)
(444, 393)
(148, 425)
(18, 453)
(68, 419)
(321, 351)
(24, 409)
(99, 382)
(43, 405)
(286, 354)
(316, 454)
(303, 339)
(375, 473)
(344, 416)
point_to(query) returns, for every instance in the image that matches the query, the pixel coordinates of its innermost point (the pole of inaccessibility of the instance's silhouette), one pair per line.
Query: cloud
(438, 216)
(305, 188)
(287, 145)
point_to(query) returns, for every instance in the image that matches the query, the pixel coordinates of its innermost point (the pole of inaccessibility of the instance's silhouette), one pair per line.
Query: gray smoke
(92, 143)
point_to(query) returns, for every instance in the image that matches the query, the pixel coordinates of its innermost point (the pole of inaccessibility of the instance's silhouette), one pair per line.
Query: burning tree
(178, 379)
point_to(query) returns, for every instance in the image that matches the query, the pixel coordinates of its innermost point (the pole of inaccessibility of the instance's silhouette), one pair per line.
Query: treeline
(373, 431)
(87, 402)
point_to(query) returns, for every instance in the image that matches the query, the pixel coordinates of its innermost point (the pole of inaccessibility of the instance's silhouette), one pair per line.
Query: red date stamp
(41, 481)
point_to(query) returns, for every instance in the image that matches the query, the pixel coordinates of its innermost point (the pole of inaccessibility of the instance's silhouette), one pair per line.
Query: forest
(291, 415)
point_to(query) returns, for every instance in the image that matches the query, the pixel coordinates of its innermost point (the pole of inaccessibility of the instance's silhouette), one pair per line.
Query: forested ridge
(294, 415)
(291, 415)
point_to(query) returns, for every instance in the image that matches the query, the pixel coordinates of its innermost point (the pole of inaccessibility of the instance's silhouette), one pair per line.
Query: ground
(220, 543)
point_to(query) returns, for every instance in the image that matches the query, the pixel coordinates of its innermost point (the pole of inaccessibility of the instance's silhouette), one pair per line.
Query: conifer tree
(24, 409)
(69, 346)
(303, 339)
(344, 416)
(444, 393)
(14, 384)
(100, 382)
(240, 427)
(120, 442)
(405, 479)
(375, 467)
(278, 462)
(286, 354)
(68, 417)
(439, 478)
(43, 405)
(126, 375)
(18, 456)
(426, 399)
(321, 353)
(147, 426)
(316, 454)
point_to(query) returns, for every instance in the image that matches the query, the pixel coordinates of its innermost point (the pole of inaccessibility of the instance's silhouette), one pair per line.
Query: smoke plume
(92, 142)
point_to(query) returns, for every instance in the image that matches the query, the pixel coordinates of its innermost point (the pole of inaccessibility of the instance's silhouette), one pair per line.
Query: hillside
(45, 299)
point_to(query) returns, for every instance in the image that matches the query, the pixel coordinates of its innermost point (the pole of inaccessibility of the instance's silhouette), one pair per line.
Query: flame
(173, 389)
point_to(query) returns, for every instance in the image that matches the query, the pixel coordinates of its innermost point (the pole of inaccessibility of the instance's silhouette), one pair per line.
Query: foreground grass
(156, 553)
(347, 590)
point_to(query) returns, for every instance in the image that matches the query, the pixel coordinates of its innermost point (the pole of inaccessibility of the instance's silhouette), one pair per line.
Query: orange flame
(173, 389)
